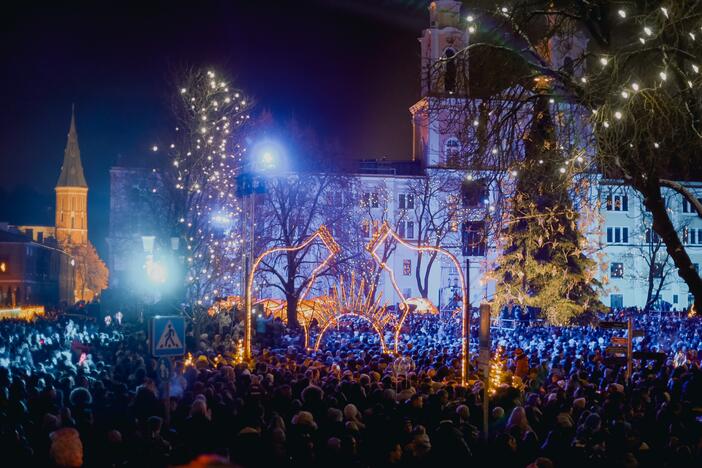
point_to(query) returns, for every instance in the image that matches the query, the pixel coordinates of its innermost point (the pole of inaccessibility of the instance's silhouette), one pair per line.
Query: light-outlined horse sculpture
(322, 234)
(378, 239)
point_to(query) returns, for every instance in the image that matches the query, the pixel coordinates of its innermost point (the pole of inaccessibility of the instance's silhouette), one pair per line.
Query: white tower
(444, 77)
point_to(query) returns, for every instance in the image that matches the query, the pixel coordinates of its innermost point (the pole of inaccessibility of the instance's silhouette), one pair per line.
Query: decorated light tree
(205, 156)
(543, 263)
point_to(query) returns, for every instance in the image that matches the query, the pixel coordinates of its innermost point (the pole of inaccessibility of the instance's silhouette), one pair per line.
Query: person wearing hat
(521, 364)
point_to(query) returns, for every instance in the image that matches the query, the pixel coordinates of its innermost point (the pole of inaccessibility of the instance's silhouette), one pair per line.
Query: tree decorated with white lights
(204, 158)
(625, 80)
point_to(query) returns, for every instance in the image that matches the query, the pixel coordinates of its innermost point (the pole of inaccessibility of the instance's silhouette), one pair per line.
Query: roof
(72, 169)
(12, 236)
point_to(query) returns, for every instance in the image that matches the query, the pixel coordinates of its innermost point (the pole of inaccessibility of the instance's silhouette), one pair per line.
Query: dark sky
(347, 68)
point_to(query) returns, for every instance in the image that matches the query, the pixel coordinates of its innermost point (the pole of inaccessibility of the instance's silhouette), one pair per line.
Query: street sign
(613, 325)
(619, 341)
(614, 350)
(167, 336)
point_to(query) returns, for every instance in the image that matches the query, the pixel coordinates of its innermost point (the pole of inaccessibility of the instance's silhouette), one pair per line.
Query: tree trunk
(663, 226)
(649, 290)
(291, 309)
(421, 285)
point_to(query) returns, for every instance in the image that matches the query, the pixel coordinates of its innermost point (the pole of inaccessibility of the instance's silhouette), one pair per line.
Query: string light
(353, 302)
(322, 234)
(372, 247)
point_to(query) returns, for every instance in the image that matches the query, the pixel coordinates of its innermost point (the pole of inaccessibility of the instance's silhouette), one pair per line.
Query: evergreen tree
(543, 264)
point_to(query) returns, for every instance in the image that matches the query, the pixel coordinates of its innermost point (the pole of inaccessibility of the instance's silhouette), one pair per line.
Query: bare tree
(292, 208)
(435, 207)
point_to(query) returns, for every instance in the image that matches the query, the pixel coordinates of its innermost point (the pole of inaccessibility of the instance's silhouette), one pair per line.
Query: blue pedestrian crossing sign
(167, 336)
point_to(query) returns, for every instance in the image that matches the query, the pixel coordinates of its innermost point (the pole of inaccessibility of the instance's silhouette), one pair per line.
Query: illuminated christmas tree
(543, 264)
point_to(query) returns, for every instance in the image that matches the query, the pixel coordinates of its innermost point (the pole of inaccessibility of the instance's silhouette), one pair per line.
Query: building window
(688, 207)
(452, 149)
(692, 236)
(407, 292)
(652, 237)
(675, 298)
(406, 201)
(617, 235)
(657, 271)
(616, 270)
(474, 193)
(616, 301)
(473, 239)
(617, 202)
(371, 199)
(407, 267)
(406, 229)
(365, 228)
(696, 266)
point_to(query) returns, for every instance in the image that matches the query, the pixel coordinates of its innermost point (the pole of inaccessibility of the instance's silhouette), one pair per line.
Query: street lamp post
(249, 184)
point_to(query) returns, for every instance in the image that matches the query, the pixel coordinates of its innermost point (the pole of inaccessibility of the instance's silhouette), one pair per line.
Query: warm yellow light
(372, 247)
(322, 234)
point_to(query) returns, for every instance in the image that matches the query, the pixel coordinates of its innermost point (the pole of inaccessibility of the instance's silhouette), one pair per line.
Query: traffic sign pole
(484, 362)
(629, 346)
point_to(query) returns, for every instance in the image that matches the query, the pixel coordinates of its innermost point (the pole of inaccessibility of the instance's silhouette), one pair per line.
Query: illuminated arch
(321, 234)
(381, 236)
(355, 301)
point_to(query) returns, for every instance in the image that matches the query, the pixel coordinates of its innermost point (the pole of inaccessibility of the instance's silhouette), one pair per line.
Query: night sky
(347, 68)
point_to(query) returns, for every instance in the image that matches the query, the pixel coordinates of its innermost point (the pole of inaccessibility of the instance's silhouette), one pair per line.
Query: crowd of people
(89, 394)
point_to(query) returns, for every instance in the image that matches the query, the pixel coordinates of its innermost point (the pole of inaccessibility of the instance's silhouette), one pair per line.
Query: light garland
(352, 301)
(323, 235)
(379, 238)
(495, 372)
(25, 313)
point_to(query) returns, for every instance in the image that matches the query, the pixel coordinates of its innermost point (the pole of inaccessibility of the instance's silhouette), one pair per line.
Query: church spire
(72, 169)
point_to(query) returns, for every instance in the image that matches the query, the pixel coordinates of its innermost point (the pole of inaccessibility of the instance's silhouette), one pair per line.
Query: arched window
(450, 71)
(452, 149)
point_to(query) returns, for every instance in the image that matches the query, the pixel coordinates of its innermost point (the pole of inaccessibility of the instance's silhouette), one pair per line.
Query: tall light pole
(265, 159)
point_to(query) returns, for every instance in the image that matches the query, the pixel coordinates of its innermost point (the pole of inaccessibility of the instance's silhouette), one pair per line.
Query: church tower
(444, 83)
(72, 194)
